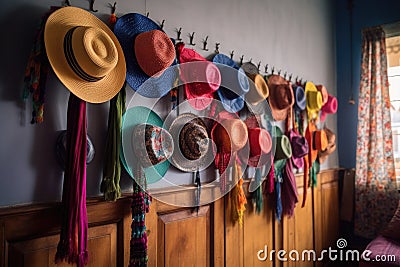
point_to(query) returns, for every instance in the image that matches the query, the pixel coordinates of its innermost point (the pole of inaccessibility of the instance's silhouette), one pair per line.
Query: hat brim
(231, 105)
(198, 102)
(126, 29)
(178, 159)
(132, 117)
(300, 98)
(57, 25)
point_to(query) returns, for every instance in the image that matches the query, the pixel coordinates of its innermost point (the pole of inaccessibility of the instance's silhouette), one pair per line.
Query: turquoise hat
(135, 116)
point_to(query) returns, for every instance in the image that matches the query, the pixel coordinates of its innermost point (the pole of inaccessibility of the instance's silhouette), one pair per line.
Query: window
(393, 54)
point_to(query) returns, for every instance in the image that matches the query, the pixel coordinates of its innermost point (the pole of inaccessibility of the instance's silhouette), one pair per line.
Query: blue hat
(146, 59)
(234, 83)
(133, 117)
(300, 97)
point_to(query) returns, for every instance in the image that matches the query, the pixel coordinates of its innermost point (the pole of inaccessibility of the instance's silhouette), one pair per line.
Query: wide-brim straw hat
(313, 99)
(84, 54)
(201, 78)
(192, 146)
(133, 117)
(150, 55)
(281, 98)
(330, 107)
(234, 83)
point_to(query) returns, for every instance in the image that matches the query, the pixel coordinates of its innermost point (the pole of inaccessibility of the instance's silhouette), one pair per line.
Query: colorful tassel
(238, 197)
(257, 194)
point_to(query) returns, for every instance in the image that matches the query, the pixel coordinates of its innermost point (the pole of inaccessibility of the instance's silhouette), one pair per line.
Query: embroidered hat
(323, 155)
(234, 83)
(324, 93)
(61, 148)
(259, 90)
(192, 147)
(330, 107)
(152, 144)
(149, 54)
(299, 148)
(201, 78)
(300, 98)
(283, 148)
(314, 100)
(84, 54)
(281, 97)
(133, 117)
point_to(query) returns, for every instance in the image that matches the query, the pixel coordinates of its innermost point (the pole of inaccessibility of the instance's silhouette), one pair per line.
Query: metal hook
(217, 47)
(162, 24)
(250, 60)
(67, 2)
(279, 72)
(232, 54)
(258, 66)
(284, 75)
(273, 70)
(179, 32)
(297, 79)
(241, 60)
(266, 68)
(91, 6)
(113, 7)
(191, 37)
(290, 77)
(205, 44)
(147, 14)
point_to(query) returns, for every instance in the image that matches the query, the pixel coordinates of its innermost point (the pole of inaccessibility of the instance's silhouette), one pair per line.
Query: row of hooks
(205, 44)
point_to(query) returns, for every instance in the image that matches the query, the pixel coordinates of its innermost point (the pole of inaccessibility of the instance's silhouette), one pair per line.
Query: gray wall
(295, 36)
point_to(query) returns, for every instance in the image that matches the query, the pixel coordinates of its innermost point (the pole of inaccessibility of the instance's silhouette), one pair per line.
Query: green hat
(283, 149)
(133, 117)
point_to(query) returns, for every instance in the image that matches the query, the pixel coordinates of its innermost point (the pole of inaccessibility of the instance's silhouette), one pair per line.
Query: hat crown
(284, 97)
(94, 51)
(230, 135)
(193, 140)
(260, 141)
(314, 100)
(154, 51)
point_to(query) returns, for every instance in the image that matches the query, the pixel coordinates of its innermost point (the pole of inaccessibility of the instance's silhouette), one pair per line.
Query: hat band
(72, 62)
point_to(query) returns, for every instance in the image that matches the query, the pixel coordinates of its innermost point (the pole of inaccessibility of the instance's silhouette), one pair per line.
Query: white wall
(295, 36)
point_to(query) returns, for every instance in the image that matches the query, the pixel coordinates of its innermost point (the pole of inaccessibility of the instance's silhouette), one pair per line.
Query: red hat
(281, 97)
(201, 78)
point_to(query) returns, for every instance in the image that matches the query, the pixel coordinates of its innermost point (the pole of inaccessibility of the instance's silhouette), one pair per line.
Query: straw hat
(300, 98)
(323, 155)
(283, 148)
(61, 148)
(330, 107)
(259, 90)
(152, 144)
(313, 99)
(281, 97)
(84, 54)
(234, 83)
(133, 117)
(201, 78)
(192, 150)
(149, 54)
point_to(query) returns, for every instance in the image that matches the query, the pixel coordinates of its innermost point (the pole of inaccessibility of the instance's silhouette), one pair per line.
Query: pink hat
(201, 78)
(324, 93)
(329, 108)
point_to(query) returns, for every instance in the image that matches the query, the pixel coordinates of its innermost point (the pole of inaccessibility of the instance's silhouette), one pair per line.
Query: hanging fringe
(238, 197)
(72, 246)
(257, 194)
(36, 72)
(289, 190)
(112, 162)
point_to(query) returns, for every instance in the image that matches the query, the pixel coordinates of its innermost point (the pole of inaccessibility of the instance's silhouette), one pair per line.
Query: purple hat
(299, 148)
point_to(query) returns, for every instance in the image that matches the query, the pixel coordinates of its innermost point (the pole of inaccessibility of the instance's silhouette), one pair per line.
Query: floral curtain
(376, 193)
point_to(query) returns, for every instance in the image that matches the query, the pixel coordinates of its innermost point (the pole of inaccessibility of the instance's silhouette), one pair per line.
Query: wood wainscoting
(179, 236)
